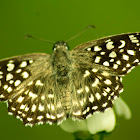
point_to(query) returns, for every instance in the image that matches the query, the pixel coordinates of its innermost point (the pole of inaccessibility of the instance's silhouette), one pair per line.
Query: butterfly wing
(120, 53)
(27, 83)
(16, 70)
(99, 66)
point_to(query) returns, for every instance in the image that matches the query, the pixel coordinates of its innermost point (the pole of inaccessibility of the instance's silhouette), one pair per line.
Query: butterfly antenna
(30, 36)
(90, 26)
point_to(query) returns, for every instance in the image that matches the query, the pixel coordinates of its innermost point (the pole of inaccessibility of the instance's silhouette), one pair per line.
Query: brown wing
(120, 53)
(27, 83)
(99, 66)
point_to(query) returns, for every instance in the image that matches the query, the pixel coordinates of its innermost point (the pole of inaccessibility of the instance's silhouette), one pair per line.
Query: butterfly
(41, 88)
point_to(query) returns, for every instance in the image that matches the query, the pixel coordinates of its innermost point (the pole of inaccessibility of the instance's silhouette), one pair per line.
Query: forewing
(27, 83)
(15, 72)
(120, 53)
(99, 66)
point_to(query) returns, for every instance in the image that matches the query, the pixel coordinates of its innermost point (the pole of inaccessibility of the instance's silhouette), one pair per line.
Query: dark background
(59, 20)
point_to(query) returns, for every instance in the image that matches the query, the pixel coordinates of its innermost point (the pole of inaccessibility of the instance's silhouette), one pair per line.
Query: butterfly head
(60, 45)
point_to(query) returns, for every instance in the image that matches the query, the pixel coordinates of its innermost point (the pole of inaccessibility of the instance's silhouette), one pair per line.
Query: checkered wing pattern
(100, 66)
(26, 85)
(42, 88)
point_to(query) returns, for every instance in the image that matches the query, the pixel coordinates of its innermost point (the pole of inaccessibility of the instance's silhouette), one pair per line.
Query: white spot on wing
(11, 81)
(136, 60)
(39, 83)
(2, 96)
(9, 76)
(98, 96)
(128, 65)
(10, 66)
(79, 91)
(106, 63)
(22, 106)
(112, 54)
(97, 59)
(104, 105)
(53, 117)
(96, 82)
(105, 73)
(86, 73)
(131, 52)
(109, 45)
(133, 39)
(13, 108)
(40, 117)
(118, 62)
(49, 106)
(85, 111)
(112, 94)
(33, 108)
(30, 61)
(41, 108)
(23, 64)
(123, 44)
(104, 93)
(115, 66)
(94, 70)
(9, 89)
(125, 57)
(82, 103)
(1, 72)
(17, 82)
(25, 74)
(32, 95)
(94, 107)
(26, 108)
(102, 53)
(50, 95)
(97, 48)
(52, 107)
(20, 99)
(18, 71)
(29, 119)
(117, 87)
(108, 82)
(60, 115)
(30, 83)
(88, 49)
(5, 87)
(91, 98)
(1, 76)
(77, 113)
(42, 97)
(124, 69)
(111, 60)
(108, 40)
(87, 89)
(107, 89)
(121, 50)
(47, 115)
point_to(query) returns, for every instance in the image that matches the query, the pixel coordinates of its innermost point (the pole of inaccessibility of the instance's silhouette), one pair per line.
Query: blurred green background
(59, 20)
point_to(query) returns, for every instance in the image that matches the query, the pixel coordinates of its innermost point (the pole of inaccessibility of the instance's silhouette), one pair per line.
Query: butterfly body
(43, 88)
(62, 72)
(61, 60)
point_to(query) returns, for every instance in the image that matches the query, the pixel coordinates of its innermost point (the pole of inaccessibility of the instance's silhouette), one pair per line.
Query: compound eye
(58, 44)
(54, 46)
(66, 47)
